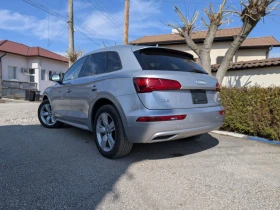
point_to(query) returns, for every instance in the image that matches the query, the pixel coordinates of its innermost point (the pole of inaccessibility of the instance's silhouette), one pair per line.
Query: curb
(255, 138)
(252, 138)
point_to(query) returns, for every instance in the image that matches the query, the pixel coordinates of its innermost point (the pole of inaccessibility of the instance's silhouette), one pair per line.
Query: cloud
(30, 25)
(95, 21)
(15, 21)
(109, 26)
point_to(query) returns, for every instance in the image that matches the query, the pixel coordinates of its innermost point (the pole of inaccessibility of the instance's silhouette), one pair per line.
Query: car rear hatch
(172, 80)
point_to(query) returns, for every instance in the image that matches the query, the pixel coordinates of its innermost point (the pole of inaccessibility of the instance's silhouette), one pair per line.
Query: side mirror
(56, 78)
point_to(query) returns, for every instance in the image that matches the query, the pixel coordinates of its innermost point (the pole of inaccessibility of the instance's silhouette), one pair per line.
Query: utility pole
(70, 31)
(126, 22)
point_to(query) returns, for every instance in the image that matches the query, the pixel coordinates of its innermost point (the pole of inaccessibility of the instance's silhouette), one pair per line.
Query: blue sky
(98, 22)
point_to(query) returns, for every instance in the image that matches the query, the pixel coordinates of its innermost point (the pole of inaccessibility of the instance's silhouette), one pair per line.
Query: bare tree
(250, 14)
(74, 55)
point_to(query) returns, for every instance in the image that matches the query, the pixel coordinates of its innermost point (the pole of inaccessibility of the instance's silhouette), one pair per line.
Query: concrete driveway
(62, 169)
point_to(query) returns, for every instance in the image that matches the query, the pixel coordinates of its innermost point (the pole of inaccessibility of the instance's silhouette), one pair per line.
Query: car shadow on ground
(62, 168)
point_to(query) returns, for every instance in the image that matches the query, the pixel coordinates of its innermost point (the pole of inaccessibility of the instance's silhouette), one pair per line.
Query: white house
(26, 67)
(250, 64)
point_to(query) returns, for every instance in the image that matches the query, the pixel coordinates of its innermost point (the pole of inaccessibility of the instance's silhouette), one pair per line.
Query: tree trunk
(204, 54)
(191, 44)
(248, 26)
(205, 60)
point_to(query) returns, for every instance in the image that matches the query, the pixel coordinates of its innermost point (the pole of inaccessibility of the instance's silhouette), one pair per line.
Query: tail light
(218, 86)
(147, 85)
(222, 112)
(161, 118)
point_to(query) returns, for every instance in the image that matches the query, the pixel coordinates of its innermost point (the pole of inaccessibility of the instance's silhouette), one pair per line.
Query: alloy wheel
(46, 115)
(105, 132)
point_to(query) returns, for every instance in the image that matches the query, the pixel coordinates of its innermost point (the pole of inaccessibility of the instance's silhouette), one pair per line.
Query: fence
(16, 89)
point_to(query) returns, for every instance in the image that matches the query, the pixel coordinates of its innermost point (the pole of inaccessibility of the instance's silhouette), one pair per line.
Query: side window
(114, 62)
(12, 72)
(96, 64)
(74, 70)
(43, 74)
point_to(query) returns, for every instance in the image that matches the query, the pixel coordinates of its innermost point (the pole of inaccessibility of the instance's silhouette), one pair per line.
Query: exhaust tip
(164, 137)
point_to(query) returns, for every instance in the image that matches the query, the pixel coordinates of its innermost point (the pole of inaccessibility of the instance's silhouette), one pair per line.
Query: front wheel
(46, 117)
(109, 133)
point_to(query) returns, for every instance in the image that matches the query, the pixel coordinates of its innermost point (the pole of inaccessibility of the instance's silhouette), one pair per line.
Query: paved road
(62, 169)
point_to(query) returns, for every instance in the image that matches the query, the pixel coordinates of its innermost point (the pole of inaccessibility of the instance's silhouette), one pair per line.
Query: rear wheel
(109, 133)
(46, 117)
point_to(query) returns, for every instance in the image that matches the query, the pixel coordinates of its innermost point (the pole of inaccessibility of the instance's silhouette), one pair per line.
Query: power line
(56, 35)
(45, 9)
(113, 21)
(193, 3)
(89, 38)
(104, 16)
(115, 18)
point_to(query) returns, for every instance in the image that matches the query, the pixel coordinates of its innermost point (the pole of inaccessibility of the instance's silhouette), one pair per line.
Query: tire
(46, 117)
(109, 133)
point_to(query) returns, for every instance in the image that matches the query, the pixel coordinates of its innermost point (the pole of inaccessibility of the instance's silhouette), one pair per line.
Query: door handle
(94, 88)
(68, 90)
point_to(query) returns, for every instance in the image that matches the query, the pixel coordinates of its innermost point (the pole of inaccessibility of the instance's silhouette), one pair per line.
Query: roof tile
(200, 35)
(197, 35)
(21, 49)
(250, 64)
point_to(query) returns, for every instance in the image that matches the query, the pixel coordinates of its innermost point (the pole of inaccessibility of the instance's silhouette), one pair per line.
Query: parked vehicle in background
(134, 94)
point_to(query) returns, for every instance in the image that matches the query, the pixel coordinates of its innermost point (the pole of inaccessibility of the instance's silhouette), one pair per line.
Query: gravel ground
(62, 169)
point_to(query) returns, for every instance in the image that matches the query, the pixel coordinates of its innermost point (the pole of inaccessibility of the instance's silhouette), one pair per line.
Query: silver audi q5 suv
(134, 94)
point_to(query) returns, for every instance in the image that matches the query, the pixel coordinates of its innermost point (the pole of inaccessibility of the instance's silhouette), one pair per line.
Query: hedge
(253, 111)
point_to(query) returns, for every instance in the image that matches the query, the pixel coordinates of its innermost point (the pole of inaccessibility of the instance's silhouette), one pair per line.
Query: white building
(26, 67)
(250, 65)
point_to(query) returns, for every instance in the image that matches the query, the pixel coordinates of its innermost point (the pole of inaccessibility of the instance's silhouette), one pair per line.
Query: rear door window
(167, 60)
(96, 64)
(114, 62)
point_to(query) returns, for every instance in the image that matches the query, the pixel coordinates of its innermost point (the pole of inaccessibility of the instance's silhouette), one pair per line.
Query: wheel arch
(45, 97)
(103, 100)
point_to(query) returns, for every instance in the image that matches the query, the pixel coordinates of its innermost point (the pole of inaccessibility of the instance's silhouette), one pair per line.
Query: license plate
(199, 97)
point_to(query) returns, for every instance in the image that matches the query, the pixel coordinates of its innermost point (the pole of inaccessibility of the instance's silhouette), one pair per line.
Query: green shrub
(253, 111)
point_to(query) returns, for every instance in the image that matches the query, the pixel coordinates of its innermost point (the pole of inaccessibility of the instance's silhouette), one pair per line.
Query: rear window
(167, 60)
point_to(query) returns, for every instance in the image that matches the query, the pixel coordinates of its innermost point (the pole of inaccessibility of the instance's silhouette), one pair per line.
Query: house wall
(250, 54)
(49, 65)
(220, 48)
(264, 77)
(15, 61)
(36, 63)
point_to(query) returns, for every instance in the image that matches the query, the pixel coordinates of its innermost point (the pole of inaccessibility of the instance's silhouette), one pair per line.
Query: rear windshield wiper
(198, 71)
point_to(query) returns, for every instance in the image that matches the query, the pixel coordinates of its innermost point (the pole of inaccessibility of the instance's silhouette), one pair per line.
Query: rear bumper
(180, 134)
(198, 121)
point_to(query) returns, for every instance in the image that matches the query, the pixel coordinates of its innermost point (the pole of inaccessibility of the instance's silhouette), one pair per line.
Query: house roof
(199, 36)
(250, 64)
(260, 41)
(176, 38)
(21, 49)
